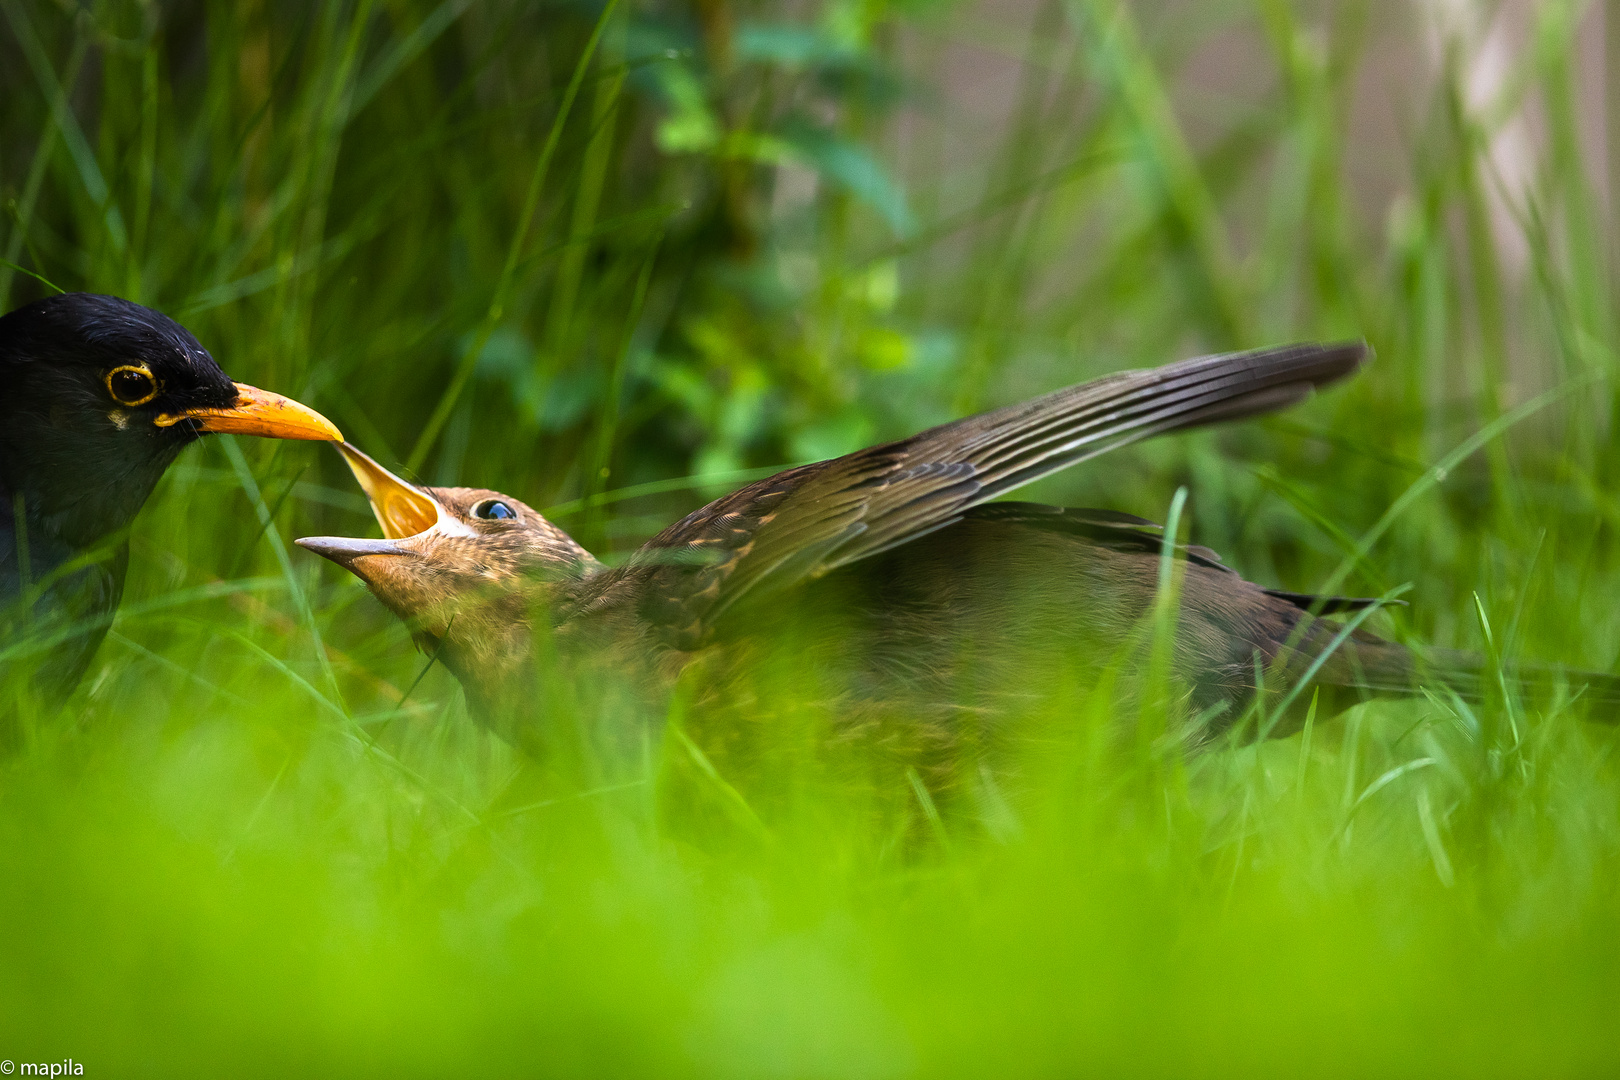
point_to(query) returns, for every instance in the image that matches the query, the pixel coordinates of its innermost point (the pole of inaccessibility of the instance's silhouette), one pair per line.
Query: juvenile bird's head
(98, 395)
(466, 568)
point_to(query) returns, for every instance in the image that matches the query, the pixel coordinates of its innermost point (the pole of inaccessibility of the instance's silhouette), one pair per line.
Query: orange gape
(402, 509)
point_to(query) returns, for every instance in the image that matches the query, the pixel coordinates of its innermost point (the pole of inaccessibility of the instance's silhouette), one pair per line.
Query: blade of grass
(498, 300)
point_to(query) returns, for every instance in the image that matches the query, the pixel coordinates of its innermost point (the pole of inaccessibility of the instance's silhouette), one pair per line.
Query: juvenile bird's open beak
(344, 550)
(402, 509)
(259, 412)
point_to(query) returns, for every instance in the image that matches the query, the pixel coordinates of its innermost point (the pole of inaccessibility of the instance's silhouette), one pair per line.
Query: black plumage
(97, 396)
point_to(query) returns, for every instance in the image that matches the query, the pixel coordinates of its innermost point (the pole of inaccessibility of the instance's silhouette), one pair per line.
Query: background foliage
(613, 260)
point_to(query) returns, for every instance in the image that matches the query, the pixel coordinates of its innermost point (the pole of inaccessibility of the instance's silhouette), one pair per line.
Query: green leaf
(691, 126)
(850, 165)
(792, 46)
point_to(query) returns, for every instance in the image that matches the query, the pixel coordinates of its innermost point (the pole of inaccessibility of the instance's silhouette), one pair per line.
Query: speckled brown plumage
(883, 586)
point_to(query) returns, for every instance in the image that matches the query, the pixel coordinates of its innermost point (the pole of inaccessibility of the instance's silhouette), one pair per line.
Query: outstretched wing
(813, 519)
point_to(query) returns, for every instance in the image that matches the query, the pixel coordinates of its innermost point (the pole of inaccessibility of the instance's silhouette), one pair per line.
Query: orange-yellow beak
(402, 509)
(259, 412)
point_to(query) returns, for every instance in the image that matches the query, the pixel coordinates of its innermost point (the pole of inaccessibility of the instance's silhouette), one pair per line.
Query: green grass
(237, 852)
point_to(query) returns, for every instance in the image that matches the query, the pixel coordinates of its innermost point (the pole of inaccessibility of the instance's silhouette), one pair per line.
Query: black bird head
(467, 568)
(98, 395)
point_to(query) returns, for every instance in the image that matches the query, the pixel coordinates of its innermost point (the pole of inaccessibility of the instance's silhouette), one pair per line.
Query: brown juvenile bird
(886, 581)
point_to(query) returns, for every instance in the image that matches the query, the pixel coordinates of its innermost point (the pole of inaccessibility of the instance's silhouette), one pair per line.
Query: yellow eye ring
(125, 390)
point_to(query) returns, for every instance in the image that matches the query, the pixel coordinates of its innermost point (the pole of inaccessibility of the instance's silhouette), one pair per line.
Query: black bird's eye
(132, 384)
(493, 510)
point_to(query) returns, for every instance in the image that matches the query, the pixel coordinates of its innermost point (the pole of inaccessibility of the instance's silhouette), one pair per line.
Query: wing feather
(810, 520)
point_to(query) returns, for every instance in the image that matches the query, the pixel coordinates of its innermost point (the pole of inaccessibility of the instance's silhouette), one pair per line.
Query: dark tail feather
(1371, 665)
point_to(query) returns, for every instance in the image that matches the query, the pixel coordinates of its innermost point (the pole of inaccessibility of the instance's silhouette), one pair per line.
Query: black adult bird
(97, 396)
(885, 581)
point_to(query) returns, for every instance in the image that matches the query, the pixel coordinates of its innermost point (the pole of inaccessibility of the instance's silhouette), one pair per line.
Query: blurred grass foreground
(616, 259)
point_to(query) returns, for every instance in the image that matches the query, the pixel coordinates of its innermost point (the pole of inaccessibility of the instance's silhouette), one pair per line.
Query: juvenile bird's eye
(132, 384)
(493, 510)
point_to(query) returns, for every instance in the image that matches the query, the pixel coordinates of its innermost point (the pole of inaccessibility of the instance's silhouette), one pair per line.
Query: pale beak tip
(330, 430)
(344, 550)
